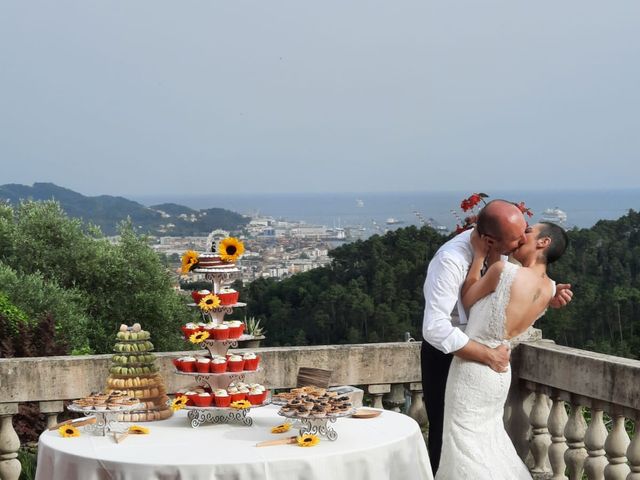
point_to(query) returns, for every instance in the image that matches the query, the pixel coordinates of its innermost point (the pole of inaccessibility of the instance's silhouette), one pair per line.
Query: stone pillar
(417, 410)
(9, 443)
(616, 448)
(395, 398)
(541, 440)
(594, 441)
(557, 421)
(576, 453)
(376, 391)
(51, 410)
(633, 453)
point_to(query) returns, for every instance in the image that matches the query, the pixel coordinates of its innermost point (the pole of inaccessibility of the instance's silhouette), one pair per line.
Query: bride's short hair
(559, 241)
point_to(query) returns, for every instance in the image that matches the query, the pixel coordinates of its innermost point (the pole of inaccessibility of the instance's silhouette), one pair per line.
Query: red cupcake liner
(229, 298)
(235, 332)
(202, 401)
(188, 331)
(176, 363)
(218, 367)
(188, 366)
(190, 399)
(220, 334)
(223, 401)
(235, 366)
(235, 397)
(264, 395)
(203, 367)
(255, 398)
(252, 363)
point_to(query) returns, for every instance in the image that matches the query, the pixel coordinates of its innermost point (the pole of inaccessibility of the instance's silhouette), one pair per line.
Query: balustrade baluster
(594, 441)
(377, 391)
(633, 453)
(51, 411)
(616, 448)
(576, 453)
(417, 410)
(557, 421)
(395, 398)
(540, 439)
(9, 443)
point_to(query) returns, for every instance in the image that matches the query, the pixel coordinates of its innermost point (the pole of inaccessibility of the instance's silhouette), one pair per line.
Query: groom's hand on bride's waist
(499, 358)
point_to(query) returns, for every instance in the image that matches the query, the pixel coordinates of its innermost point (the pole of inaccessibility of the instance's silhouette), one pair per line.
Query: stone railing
(546, 380)
(552, 387)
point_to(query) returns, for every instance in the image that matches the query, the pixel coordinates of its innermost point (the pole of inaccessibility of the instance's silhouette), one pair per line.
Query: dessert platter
(221, 395)
(106, 407)
(316, 409)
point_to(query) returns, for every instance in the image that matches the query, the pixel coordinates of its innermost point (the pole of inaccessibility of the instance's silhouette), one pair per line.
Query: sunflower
(199, 337)
(138, 429)
(67, 431)
(209, 302)
(230, 249)
(189, 261)
(283, 427)
(179, 403)
(307, 440)
(241, 404)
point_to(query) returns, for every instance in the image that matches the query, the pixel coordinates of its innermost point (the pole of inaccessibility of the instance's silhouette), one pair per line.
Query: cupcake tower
(220, 374)
(134, 373)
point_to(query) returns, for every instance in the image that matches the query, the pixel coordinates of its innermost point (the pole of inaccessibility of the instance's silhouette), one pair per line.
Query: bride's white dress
(475, 444)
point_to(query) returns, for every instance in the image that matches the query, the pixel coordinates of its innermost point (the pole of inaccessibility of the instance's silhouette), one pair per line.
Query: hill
(107, 211)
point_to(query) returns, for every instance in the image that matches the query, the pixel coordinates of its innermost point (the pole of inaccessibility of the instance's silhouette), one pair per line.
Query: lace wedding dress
(475, 444)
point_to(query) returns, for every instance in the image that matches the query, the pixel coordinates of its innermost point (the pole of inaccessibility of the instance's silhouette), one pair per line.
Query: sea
(365, 214)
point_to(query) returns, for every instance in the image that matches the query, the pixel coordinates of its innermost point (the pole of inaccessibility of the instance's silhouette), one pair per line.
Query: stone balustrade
(551, 387)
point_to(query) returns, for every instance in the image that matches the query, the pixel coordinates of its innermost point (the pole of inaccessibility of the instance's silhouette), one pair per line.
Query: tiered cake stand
(219, 276)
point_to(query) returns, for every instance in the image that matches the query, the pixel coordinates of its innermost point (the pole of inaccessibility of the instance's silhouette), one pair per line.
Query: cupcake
(228, 296)
(251, 361)
(203, 399)
(189, 329)
(199, 295)
(236, 395)
(176, 363)
(218, 365)
(220, 332)
(235, 363)
(188, 364)
(222, 398)
(191, 395)
(209, 328)
(255, 396)
(203, 365)
(236, 327)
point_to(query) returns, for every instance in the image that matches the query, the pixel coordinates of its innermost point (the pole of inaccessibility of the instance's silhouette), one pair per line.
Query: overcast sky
(144, 97)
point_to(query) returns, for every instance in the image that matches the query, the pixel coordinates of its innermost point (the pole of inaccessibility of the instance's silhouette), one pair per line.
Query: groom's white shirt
(445, 275)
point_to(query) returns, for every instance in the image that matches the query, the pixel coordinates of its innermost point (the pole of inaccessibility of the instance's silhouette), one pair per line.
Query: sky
(155, 96)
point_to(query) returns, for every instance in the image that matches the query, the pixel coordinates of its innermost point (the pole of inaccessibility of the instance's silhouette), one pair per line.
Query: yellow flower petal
(189, 260)
(179, 403)
(137, 429)
(230, 249)
(209, 302)
(199, 337)
(282, 428)
(307, 440)
(67, 431)
(240, 404)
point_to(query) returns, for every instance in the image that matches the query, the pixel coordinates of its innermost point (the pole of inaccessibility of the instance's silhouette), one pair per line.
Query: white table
(388, 447)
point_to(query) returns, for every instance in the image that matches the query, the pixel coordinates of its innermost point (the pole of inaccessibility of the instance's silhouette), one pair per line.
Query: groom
(504, 227)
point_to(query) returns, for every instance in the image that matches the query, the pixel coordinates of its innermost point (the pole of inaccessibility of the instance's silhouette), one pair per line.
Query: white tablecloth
(386, 447)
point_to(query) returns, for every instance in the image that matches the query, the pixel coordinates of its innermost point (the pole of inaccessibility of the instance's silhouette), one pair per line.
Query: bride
(503, 304)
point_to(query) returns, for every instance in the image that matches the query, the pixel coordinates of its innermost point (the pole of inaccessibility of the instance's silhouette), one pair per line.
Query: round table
(387, 447)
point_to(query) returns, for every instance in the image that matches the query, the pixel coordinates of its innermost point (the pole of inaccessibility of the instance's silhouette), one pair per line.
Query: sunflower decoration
(282, 428)
(241, 404)
(209, 302)
(137, 429)
(189, 261)
(230, 249)
(67, 431)
(179, 403)
(199, 337)
(308, 440)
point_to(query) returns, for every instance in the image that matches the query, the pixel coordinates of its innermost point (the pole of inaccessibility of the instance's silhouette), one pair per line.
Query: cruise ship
(554, 215)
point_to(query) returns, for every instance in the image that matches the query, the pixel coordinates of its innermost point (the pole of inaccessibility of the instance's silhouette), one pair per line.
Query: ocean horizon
(372, 211)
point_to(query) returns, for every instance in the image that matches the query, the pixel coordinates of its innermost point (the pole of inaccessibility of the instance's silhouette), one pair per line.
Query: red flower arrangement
(471, 203)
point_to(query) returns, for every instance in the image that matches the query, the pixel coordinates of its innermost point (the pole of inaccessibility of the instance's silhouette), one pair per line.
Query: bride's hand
(480, 245)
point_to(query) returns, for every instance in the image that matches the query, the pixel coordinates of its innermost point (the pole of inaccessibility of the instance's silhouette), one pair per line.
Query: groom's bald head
(503, 222)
